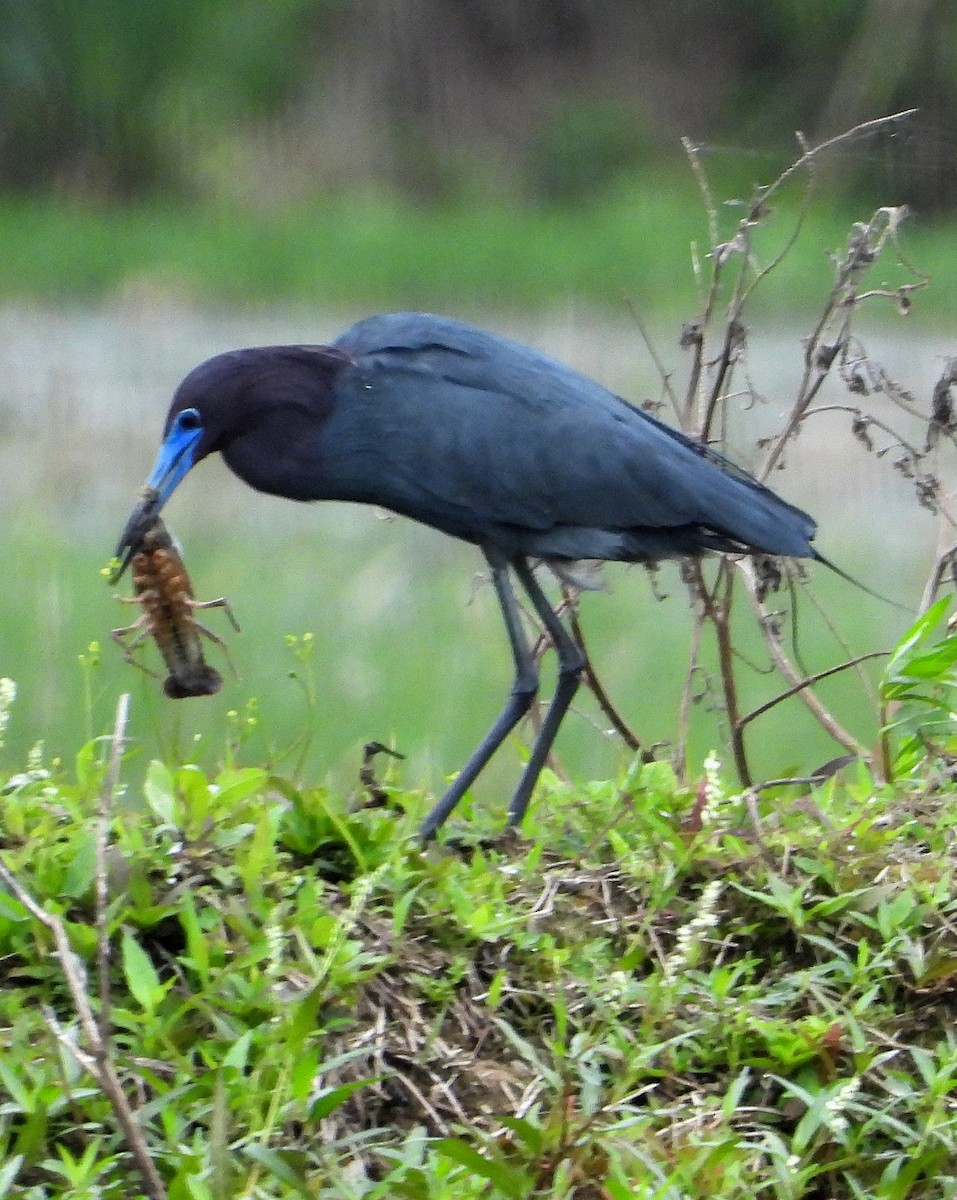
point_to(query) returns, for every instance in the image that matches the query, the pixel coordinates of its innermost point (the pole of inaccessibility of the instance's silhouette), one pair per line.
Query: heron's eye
(189, 419)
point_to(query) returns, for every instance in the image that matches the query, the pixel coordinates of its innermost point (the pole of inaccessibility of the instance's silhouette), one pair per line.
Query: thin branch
(684, 709)
(864, 246)
(820, 713)
(785, 250)
(842, 642)
(945, 559)
(701, 178)
(855, 411)
(663, 374)
(807, 682)
(101, 881)
(863, 129)
(604, 702)
(720, 616)
(697, 334)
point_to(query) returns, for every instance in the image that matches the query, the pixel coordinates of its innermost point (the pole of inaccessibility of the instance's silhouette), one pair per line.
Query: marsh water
(407, 646)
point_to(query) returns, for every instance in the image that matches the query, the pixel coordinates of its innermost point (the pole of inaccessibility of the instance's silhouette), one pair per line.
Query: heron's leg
(571, 662)
(524, 688)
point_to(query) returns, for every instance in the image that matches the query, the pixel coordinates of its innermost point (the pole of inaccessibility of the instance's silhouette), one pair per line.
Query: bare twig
(703, 601)
(760, 207)
(696, 334)
(807, 682)
(646, 337)
(945, 559)
(720, 616)
(604, 701)
(864, 246)
(864, 129)
(821, 714)
(704, 186)
(101, 882)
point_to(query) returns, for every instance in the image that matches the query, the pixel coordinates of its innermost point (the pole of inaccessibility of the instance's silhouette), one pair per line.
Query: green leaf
(526, 1132)
(934, 664)
(11, 908)
(280, 1168)
(920, 631)
(617, 1187)
(303, 1073)
(508, 1181)
(240, 783)
(160, 792)
(196, 944)
(238, 1055)
(141, 976)
(329, 1099)
(16, 1087)
(8, 1174)
(82, 868)
(88, 768)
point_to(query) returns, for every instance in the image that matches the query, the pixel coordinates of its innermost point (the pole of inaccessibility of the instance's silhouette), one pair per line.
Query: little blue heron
(486, 440)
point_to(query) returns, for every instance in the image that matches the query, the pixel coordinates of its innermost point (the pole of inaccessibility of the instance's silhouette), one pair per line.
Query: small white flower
(844, 1094)
(8, 693)
(714, 792)
(35, 761)
(274, 940)
(690, 935)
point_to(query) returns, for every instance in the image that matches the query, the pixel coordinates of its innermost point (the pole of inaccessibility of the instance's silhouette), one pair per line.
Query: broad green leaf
(918, 632)
(140, 973)
(11, 908)
(526, 1132)
(79, 874)
(329, 1100)
(934, 664)
(240, 783)
(280, 1168)
(8, 1174)
(509, 1181)
(160, 792)
(238, 1055)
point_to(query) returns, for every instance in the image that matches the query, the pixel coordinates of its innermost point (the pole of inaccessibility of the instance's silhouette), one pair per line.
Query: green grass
(374, 252)
(662, 993)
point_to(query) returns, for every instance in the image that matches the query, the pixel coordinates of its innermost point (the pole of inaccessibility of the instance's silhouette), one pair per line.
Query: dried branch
(776, 649)
(946, 559)
(829, 349)
(807, 682)
(101, 881)
(618, 722)
(687, 698)
(663, 374)
(807, 159)
(865, 244)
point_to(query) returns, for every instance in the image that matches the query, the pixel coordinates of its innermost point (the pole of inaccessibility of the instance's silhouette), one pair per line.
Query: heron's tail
(819, 557)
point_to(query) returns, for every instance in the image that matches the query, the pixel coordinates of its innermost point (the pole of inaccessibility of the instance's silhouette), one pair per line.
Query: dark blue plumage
(486, 440)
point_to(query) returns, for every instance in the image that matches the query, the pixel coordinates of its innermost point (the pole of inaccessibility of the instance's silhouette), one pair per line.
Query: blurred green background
(184, 176)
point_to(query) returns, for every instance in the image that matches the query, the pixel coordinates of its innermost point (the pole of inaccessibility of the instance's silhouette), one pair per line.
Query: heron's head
(245, 404)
